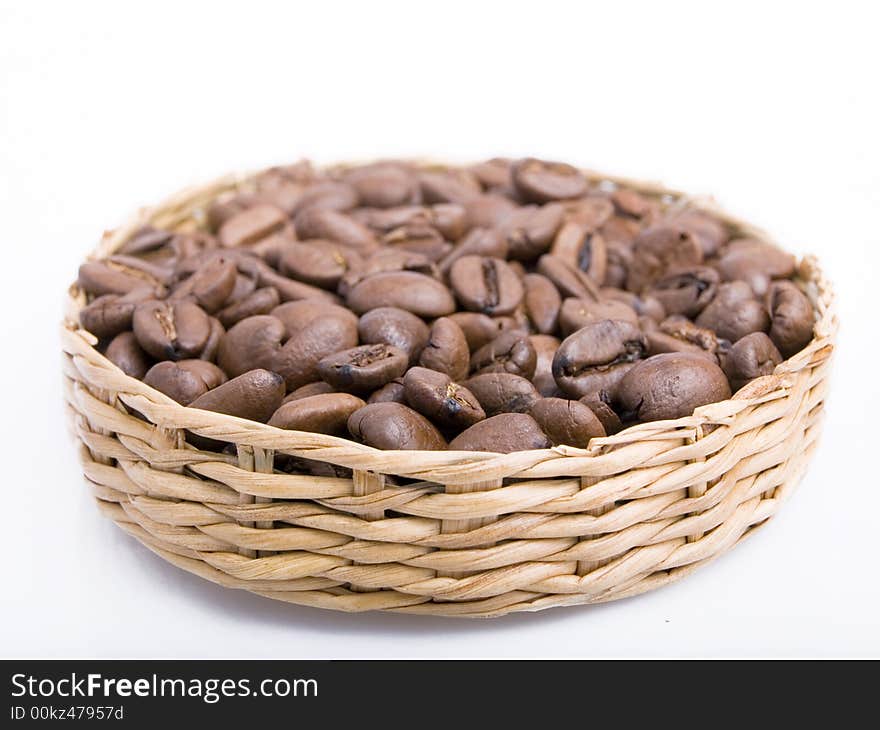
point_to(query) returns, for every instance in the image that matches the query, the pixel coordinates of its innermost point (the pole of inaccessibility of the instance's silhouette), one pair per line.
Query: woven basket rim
(446, 465)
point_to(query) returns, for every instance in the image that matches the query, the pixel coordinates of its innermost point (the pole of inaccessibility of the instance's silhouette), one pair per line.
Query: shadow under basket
(449, 533)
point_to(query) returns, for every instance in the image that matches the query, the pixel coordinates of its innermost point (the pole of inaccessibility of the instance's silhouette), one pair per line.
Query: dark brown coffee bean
(600, 407)
(298, 315)
(211, 285)
(326, 413)
(567, 278)
(792, 317)
(566, 422)
(755, 262)
(477, 242)
(679, 334)
(483, 284)
(259, 301)
(646, 306)
(449, 219)
(540, 181)
(171, 330)
(323, 223)
(126, 354)
(502, 392)
(659, 250)
(529, 231)
(686, 291)
(584, 248)
(734, 312)
(395, 327)
(186, 380)
(479, 328)
(363, 368)
(254, 395)
(319, 263)
(502, 434)
(597, 356)
(251, 224)
(542, 302)
(384, 185)
(110, 314)
(670, 386)
(446, 350)
(577, 313)
(510, 352)
(394, 426)
(288, 289)
(416, 293)
(387, 260)
(545, 348)
(392, 392)
(212, 345)
(751, 357)
(444, 402)
(319, 387)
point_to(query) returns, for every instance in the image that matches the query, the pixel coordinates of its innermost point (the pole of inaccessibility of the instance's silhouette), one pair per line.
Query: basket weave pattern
(466, 534)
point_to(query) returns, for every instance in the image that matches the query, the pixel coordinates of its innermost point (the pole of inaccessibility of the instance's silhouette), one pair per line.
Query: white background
(772, 107)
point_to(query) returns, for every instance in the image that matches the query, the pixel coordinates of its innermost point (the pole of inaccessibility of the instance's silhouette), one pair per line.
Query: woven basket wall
(470, 534)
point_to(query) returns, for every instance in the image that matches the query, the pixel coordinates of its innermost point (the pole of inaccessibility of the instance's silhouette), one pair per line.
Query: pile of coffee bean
(506, 305)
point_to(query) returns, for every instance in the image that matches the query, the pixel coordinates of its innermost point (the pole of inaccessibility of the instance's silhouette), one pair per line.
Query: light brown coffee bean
(446, 350)
(252, 224)
(126, 354)
(416, 293)
(502, 434)
(325, 413)
(487, 285)
(254, 395)
(171, 330)
(541, 181)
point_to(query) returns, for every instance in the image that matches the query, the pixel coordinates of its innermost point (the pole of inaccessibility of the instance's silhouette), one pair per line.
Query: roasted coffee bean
(542, 302)
(446, 350)
(734, 312)
(259, 301)
(395, 327)
(755, 262)
(540, 181)
(384, 185)
(319, 263)
(126, 354)
(488, 211)
(449, 186)
(363, 368)
(416, 293)
(110, 314)
(566, 422)
(510, 352)
(751, 357)
(319, 387)
(328, 195)
(597, 356)
(709, 232)
(324, 223)
(529, 230)
(394, 426)
(670, 386)
(423, 240)
(227, 205)
(444, 402)
(298, 315)
(502, 434)
(679, 334)
(791, 327)
(254, 395)
(479, 328)
(326, 413)
(492, 174)
(502, 392)
(252, 224)
(631, 204)
(387, 260)
(106, 277)
(186, 380)
(171, 330)
(577, 313)
(484, 284)
(274, 186)
(646, 306)
(211, 285)
(545, 348)
(687, 291)
(477, 242)
(212, 345)
(582, 247)
(146, 240)
(392, 392)
(600, 407)
(617, 260)
(660, 250)
(288, 289)
(568, 278)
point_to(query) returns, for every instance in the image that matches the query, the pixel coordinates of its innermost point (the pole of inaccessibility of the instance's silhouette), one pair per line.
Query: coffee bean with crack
(259, 301)
(502, 392)
(323, 413)
(596, 357)
(686, 291)
(438, 398)
(529, 230)
(510, 352)
(567, 422)
(542, 181)
(670, 386)
(577, 313)
(487, 285)
(363, 368)
(755, 262)
(542, 302)
(502, 434)
(392, 392)
(211, 285)
(394, 426)
(750, 357)
(734, 312)
(110, 314)
(446, 350)
(568, 278)
(659, 250)
(251, 224)
(395, 327)
(171, 330)
(186, 380)
(679, 334)
(583, 247)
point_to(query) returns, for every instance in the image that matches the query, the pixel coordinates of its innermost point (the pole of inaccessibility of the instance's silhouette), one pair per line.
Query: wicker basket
(469, 534)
